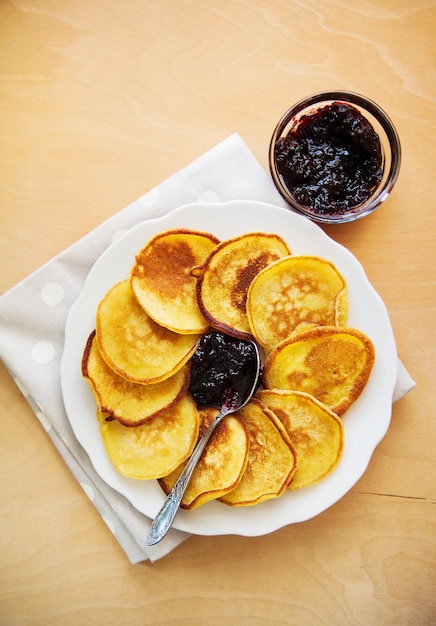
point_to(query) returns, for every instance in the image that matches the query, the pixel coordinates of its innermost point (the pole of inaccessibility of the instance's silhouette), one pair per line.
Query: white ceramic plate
(366, 422)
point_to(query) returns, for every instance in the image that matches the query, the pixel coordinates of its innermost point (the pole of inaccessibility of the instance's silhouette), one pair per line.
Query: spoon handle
(163, 520)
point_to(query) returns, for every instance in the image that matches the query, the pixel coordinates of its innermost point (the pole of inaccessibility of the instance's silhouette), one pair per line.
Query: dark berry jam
(331, 161)
(221, 363)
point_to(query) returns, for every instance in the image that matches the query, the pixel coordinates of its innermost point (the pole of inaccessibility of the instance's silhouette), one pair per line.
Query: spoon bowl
(236, 396)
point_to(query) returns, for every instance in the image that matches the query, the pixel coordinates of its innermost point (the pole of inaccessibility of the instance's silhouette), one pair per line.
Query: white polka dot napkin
(33, 314)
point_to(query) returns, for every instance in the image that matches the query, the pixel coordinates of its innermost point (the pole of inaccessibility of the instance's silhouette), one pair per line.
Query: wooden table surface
(100, 101)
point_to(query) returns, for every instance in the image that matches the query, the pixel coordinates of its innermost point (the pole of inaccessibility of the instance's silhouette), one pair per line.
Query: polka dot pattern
(52, 294)
(118, 234)
(88, 490)
(21, 387)
(43, 420)
(109, 524)
(43, 352)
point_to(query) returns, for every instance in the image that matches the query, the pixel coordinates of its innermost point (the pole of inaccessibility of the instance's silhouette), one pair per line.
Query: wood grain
(101, 101)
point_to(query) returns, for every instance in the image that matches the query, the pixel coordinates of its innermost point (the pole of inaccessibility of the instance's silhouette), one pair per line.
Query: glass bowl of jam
(335, 156)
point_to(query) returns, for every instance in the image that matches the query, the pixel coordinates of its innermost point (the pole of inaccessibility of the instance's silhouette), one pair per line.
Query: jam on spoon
(218, 363)
(226, 373)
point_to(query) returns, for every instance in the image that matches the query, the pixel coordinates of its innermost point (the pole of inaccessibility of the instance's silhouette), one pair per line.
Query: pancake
(130, 403)
(104, 417)
(162, 282)
(221, 465)
(226, 275)
(157, 447)
(331, 363)
(316, 432)
(293, 290)
(272, 459)
(134, 345)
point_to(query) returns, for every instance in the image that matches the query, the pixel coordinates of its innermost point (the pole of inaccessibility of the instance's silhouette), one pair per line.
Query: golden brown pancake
(134, 345)
(316, 432)
(158, 446)
(220, 467)
(226, 275)
(162, 282)
(130, 403)
(329, 362)
(293, 290)
(272, 459)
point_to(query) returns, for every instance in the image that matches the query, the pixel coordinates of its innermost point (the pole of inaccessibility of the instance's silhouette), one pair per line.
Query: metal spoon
(235, 398)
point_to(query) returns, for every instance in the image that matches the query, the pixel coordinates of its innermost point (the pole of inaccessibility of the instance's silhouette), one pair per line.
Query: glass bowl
(390, 157)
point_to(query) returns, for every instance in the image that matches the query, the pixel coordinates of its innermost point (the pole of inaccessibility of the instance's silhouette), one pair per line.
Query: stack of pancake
(137, 362)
